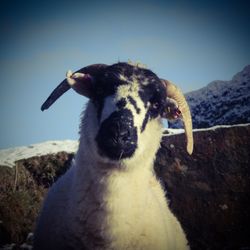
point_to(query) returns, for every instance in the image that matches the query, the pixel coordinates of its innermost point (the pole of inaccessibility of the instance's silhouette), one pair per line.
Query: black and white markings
(127, 98)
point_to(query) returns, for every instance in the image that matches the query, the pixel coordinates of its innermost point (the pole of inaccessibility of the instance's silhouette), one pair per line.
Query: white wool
(109, 108)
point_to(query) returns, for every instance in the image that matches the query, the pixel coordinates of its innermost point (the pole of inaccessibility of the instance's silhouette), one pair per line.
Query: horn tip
(190, 149)
(45, 106)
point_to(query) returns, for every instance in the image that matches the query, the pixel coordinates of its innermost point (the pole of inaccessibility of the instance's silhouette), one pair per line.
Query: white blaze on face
(108, 108)
(131, 90)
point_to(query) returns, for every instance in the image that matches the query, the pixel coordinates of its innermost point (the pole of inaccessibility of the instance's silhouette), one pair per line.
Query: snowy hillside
(221, 102)
(8, 157)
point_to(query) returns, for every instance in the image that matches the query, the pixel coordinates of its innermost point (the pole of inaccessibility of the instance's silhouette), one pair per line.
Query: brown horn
(173, 92)
(81, 81)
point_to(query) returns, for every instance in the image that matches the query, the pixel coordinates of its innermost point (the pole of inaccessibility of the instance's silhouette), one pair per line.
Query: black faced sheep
(110, 198)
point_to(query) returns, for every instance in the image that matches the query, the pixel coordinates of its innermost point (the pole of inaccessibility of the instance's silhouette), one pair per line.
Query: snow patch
(9, 156)
(173, 131)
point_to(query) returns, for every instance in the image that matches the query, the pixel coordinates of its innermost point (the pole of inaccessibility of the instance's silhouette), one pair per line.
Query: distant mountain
(221, 102)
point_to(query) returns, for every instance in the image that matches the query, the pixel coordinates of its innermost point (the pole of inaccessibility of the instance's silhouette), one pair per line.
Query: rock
(209, 191)
(22, 191)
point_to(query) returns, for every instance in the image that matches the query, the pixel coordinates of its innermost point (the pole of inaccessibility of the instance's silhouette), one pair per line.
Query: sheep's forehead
(126, 80)
(127, 96)
(125, 90)
(135, 79)
(121, 84)
(128, 89)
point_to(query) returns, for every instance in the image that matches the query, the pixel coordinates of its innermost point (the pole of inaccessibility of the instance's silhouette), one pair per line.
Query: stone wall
(209, 191)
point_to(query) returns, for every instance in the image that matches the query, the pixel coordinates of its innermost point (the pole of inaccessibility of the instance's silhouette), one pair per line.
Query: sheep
(110, 198)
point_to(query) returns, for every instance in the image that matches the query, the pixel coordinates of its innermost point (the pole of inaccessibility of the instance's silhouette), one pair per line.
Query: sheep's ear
(177, 107)
(81, 81)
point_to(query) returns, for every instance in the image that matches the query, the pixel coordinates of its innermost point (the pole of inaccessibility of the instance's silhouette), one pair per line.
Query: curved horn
(175, 93)
(81, 81)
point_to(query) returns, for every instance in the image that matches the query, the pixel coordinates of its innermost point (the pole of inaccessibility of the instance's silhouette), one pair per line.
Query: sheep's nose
(119, 133)
(117, 137)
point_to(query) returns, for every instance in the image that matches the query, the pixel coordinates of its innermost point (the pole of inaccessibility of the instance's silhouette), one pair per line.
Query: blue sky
(189, 42)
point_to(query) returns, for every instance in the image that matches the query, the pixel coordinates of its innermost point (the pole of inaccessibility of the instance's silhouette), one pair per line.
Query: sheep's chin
(112, 163)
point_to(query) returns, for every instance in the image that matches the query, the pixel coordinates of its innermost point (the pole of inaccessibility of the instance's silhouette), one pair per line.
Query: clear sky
(189, 42)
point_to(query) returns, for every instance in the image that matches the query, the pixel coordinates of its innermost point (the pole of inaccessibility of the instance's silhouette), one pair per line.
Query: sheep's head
(127, 99)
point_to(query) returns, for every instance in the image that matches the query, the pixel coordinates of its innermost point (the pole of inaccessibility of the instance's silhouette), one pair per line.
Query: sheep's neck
(126, 189)
(128, 194)
(117, 194)
(113, 183)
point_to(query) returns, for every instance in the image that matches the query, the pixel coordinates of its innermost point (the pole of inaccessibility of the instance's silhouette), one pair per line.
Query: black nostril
(118, 133)
(124, 135)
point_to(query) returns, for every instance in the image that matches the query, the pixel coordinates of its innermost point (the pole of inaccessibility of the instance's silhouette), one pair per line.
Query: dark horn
(57, 92)
(64, 86)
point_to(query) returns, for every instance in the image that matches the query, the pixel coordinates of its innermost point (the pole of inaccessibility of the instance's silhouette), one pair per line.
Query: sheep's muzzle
(117, 136)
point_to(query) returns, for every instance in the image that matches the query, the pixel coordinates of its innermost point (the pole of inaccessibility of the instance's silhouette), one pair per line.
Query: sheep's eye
(155, 109)
(155, 105)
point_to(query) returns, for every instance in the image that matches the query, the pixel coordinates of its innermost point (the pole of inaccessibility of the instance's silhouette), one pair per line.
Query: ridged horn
(173, 92)
(81, 81)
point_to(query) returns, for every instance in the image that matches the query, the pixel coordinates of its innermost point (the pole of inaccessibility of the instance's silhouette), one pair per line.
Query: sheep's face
(126, 105)
(126, 98)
